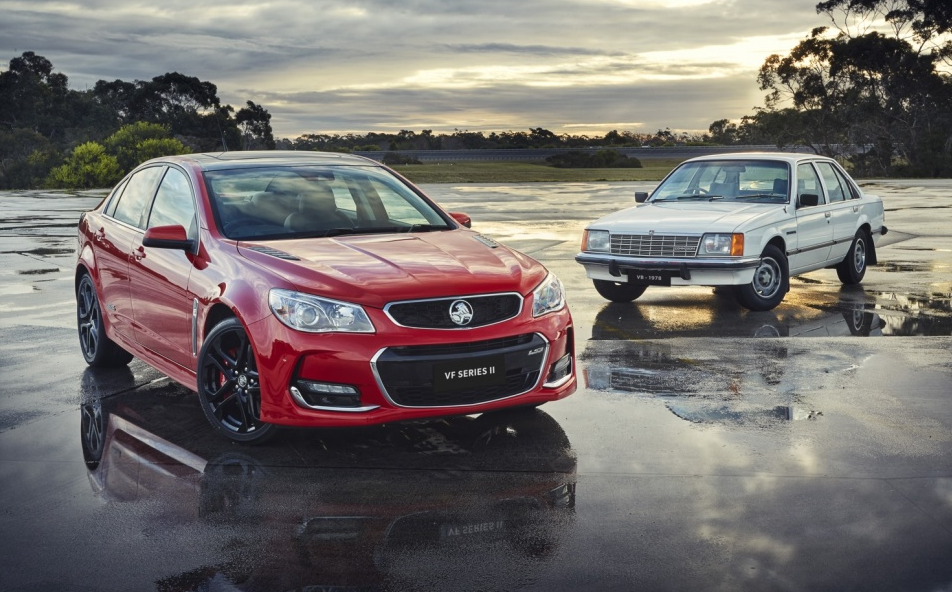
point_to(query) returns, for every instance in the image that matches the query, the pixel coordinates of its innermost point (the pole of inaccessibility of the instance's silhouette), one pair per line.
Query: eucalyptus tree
(874, 85)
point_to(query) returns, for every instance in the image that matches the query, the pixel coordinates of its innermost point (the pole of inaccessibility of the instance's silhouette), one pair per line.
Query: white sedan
(749, 221)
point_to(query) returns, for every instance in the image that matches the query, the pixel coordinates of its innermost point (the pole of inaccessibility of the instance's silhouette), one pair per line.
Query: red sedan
(310, 289)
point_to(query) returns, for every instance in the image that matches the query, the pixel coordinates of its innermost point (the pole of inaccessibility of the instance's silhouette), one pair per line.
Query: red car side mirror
(168, 237)
(462, 219)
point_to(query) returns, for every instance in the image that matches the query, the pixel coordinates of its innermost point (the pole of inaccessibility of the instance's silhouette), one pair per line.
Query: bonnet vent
(274, 253)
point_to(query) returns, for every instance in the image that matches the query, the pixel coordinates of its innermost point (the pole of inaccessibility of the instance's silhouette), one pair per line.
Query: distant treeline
(533, 138)
(52, 136)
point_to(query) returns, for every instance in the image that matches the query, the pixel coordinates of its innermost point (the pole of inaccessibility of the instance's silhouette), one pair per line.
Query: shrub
(391, 158)
(136, 143)
(87, 167)
(576, 159)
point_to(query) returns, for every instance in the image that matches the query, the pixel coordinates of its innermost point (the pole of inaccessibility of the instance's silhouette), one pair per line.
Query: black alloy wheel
(92, 428)
(229, 388)
(98, 350)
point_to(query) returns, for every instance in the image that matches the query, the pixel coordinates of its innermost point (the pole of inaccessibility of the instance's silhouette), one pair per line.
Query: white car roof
(788, 157)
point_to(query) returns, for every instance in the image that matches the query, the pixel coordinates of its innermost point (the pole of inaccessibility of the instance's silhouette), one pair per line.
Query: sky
(569, 66)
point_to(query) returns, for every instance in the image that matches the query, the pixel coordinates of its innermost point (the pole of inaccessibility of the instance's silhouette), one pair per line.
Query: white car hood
(688, 217)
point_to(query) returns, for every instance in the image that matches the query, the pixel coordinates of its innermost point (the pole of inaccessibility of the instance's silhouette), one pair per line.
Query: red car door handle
(139, 254)
(100, 235)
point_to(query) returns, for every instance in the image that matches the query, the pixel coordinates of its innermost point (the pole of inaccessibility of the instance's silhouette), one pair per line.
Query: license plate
(469, 373)
(488, 528)
(649, 278)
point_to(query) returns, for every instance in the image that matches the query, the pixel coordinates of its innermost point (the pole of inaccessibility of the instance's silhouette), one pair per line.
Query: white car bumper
(661, 271)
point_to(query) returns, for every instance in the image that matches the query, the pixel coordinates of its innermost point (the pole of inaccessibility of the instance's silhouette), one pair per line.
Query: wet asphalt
(708, 447)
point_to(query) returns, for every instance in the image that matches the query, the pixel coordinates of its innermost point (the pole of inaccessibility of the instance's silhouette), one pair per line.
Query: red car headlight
(549, 296)
(312, 314)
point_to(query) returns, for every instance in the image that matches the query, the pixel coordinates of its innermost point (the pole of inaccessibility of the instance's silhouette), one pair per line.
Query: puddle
(856, 314)
(924, 249)
(749, 417)
(44, 251)
(904, 266)
(749, 386)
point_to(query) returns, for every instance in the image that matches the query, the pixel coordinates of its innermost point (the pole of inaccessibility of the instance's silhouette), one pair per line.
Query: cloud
(695, 104)
(322, 65)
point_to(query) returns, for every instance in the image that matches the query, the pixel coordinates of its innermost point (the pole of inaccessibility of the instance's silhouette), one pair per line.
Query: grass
(524, 172)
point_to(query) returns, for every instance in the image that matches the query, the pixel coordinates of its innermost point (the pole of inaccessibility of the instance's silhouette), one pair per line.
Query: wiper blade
(369, 230)
(762, 195)
(342, 231)
(700, 197)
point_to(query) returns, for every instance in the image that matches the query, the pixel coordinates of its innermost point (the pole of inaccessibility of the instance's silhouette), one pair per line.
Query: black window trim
(191, 189)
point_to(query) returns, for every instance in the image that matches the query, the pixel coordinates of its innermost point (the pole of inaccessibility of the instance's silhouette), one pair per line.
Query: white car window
(808, 182)
(834, 188)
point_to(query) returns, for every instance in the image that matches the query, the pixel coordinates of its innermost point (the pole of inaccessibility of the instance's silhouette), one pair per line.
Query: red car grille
(435, 314)
(407, 373)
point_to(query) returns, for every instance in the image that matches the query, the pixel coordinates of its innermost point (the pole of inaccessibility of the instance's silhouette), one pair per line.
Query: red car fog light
(321, 395)
(561, 371)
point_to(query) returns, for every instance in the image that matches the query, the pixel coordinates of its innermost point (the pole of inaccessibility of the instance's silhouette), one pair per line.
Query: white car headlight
(721, 245)
(596, 240)
(548, 297)
(305, 312)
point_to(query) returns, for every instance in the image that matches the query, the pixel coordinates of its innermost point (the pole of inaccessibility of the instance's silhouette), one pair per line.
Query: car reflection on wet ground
(395, 505)
(707, 447)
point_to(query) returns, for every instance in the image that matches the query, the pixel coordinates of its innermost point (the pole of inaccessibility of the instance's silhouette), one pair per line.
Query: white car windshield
(716, 180)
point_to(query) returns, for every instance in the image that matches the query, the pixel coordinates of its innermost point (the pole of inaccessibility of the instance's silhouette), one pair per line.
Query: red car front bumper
(393, 374)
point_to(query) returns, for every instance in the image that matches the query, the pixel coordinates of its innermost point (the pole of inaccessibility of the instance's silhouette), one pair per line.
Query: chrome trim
(487, 241)
(654, 244)
(194, 327)
(565, 378)
(386, 310)
(299, 399)
(822, 245)
(668, 263)
(386, 395)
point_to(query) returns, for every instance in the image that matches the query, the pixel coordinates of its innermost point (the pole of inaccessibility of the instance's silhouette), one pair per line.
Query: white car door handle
(827, 214)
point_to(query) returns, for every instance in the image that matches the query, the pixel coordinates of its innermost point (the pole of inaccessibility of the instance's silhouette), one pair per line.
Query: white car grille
(654, 245)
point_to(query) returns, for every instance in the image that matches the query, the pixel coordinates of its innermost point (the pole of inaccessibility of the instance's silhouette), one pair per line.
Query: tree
(26, 157)
(723, 132)
(254, 121)
(33, 97)
(188, 106)
(87, 167)
(879, 98)
(138, 142)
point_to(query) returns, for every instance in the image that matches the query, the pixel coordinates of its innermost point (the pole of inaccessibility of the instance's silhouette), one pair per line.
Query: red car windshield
(280, 202)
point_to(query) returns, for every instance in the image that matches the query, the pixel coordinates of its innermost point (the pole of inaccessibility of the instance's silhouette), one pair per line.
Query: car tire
(228, 386)
(853, 267)
(617, 291)
(98, 350)
(770, 284)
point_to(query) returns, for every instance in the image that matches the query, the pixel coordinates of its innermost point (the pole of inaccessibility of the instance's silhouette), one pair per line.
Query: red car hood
(377, 269)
